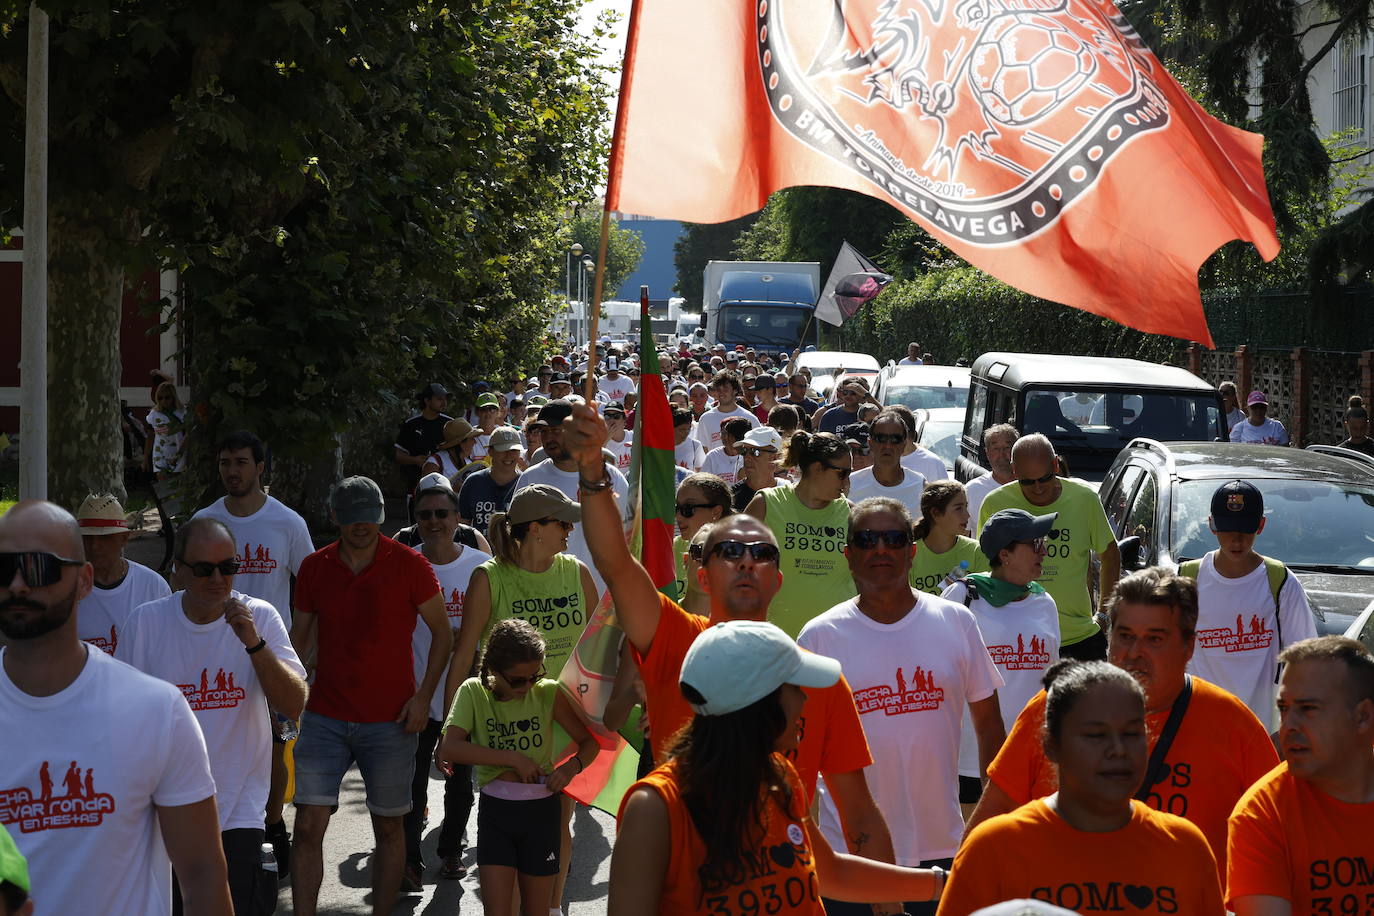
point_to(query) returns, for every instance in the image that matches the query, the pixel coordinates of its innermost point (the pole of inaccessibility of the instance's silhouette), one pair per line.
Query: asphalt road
(348, 853)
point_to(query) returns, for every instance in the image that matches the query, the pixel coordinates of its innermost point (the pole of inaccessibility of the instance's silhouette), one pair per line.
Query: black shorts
(523, 835)
(970, 790)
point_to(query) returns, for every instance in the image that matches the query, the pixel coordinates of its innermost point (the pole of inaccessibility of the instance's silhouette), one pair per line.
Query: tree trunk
(86, 288)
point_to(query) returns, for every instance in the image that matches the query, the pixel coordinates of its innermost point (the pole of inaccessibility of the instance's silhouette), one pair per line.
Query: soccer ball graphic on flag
(1024, 67)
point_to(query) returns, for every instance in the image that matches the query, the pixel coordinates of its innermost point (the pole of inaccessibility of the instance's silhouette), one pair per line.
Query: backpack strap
(1154, 770)
(970, 593)
(467, 535)
(1278, 576)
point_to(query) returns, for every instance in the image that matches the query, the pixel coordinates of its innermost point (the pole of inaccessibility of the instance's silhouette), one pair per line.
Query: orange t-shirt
(832, 737)
(1149, 866)
(779, 874)
(1219, 751)
(1293, 841)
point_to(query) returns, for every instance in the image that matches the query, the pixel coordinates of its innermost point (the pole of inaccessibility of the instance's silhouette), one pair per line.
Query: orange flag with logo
(1039, 139)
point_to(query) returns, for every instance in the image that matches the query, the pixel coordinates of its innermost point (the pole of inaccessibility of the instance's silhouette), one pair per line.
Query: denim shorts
(384, 752)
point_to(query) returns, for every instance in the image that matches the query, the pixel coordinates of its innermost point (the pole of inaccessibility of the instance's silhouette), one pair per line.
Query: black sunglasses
(425, 515)
(751, 451)
(687, 510)
(39, 569)
(205, 570)
(843, 472)
(518, 682)
(1028, 482)
(760, 551)
(888, 438)
(896, 538)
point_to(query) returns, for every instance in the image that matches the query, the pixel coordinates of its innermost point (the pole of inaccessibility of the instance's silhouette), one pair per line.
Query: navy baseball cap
(1237, 506)
(1011, 525)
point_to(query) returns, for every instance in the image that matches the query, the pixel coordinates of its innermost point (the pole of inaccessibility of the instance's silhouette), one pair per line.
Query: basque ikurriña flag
(1039, 139)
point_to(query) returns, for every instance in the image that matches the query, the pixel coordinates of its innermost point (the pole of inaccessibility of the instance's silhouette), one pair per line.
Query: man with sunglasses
(848, 396)
(761, 452)
(1082, 530)
(128, 743)
(739, 571)
(229, 654)
(914, 662)
(357, 599)
(797, 385)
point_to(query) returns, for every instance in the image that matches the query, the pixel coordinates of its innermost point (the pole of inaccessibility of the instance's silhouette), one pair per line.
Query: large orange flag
(1039, 139)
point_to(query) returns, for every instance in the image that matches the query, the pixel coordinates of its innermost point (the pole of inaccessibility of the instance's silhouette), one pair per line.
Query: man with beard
(149, 796)
(274, 541)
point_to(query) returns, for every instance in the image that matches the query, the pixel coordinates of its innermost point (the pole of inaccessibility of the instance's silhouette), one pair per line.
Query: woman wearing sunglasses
(701, 499)
(502, 722)
(722, 826)
(888, 438)
(1089, 847)
(810, 519)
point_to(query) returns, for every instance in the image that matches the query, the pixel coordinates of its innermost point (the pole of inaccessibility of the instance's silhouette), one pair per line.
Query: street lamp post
(574, 252)
(588, 267)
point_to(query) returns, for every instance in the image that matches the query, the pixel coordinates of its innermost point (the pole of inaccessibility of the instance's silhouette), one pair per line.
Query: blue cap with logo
(1237, 506)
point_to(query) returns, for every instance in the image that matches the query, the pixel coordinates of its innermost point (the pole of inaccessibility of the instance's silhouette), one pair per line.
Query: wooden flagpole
(612, 183)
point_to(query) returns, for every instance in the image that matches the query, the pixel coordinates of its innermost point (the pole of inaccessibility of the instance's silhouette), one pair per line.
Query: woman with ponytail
(811, 522)
(940, 543)
(722, 827)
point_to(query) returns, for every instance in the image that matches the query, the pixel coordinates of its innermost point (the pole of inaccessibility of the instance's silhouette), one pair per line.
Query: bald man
(112, 778)
(739, 571)
(1080, 531)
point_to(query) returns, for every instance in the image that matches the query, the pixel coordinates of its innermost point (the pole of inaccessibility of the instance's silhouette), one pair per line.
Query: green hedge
(962, 312)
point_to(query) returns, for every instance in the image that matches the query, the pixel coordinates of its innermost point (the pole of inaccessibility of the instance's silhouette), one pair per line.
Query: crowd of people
(868, 688)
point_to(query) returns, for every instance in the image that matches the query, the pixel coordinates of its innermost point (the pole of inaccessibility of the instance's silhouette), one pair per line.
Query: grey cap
(356, 500)
(503, 439)
(542, 501)
(1011, 525)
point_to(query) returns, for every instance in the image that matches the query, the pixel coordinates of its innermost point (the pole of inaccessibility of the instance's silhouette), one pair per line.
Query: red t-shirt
(1219, 751)
(363, 628)
(832, 736)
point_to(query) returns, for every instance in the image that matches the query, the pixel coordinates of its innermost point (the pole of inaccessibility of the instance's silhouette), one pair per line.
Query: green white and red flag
(590, 673)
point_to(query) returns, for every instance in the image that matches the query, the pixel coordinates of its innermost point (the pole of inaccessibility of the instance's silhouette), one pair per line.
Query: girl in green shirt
(502, 722)
(940, 544)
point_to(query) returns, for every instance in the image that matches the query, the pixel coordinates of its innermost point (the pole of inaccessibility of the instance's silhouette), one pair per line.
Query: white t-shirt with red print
(208, 664)
(453, 583)
(1023, 640)
(101, 615)
(271, 545)
(82, 774)
(911, 681)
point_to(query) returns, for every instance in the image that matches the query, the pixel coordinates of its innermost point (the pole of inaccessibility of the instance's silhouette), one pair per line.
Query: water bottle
(269, 858)
(955, 575)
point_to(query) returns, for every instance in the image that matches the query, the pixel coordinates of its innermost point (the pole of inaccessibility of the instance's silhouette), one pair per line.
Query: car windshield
(762, 325)
(1309, 522)
(1090, 427)
(927, 397)
(942, 438)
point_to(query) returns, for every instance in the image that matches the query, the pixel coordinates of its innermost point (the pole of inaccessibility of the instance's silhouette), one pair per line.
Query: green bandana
(1000, 592)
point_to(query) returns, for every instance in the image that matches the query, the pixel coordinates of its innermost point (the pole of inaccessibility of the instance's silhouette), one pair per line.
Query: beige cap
(542, 501)
(101, 515)
(504, 439)
(456, 431)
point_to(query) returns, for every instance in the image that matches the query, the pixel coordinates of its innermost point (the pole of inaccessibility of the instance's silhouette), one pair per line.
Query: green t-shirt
(524, 725)
(929, 568)
(1080, 531)
(815, 574)
(679, 569)
(550, 601)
